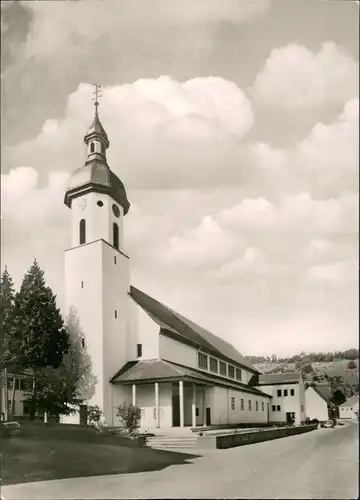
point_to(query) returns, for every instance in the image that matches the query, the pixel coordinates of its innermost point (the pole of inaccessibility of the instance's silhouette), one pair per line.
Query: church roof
(160, 369)
(275, 378)
(96, 176)
(96, 128)
(187, 330)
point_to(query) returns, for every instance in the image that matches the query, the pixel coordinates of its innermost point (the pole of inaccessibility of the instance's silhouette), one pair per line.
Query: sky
(234, 127)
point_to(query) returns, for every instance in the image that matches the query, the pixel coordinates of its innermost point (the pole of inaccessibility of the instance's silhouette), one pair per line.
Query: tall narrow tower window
(82, 231)
(92, 147)
(102, 148)
(116, 236)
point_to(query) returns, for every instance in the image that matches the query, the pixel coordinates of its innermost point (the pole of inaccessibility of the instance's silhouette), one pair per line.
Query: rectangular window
(232, 403)
(292, 392)
(238, 374)
(273, 408)
(222, 368)
(197, 412)
(262, 406)
(82, 284)
(26, 408)
(115, 313)
(115, 259)
(83, 342)
(278, 408)
(231, 371)
(139, 350)
(27, 384)
(241, 404)
(213, 365)
(249, 404)
(279, 393)
(285, 393)
(302, 408)
(202, 361)
(257, 405)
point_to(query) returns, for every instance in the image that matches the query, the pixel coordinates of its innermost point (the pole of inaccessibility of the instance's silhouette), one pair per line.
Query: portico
(165, 403)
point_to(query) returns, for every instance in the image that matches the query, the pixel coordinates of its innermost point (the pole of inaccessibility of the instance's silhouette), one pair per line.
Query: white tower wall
(96, 288)
(99, 219)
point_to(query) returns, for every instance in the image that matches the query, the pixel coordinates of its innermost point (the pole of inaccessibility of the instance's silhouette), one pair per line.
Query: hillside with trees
(338, 369)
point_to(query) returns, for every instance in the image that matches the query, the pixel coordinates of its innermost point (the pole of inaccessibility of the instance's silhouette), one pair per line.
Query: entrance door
(290, 418)
(83, 415)
(208, 416)
(175, 406)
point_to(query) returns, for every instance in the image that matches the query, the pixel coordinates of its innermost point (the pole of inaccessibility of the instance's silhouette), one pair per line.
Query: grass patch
(57, 452)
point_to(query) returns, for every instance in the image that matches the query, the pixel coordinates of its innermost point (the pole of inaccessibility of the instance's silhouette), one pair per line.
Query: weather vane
(97, 94)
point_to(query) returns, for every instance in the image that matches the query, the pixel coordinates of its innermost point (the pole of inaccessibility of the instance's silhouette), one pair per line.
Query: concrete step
(172, 442)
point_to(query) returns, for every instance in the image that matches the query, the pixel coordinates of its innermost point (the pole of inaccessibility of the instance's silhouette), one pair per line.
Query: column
(204, 406)
(134, 394)
(193, 406)
(157, 419)
(181, 396)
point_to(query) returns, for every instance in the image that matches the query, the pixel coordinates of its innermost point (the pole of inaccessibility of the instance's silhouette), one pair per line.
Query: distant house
(350, 409)
(288, 395)
(318, 404)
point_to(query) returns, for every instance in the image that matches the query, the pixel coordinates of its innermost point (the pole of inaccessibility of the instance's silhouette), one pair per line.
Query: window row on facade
(214, 365)
(249, 407)
(21, 384)
(285, 393)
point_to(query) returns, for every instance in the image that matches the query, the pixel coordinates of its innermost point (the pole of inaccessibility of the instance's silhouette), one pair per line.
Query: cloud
(294, 77)
(163, 133)
(58, 27)
(256, 227)
(324, 163)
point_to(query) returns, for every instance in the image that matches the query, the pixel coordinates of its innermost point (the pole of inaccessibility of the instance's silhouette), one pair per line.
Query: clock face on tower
(116, 210)
(82, 204)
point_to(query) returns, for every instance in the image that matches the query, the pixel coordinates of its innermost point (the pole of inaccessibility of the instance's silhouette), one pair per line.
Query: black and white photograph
(179, 249)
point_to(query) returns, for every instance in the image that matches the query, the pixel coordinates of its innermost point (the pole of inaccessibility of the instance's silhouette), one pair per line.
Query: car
(8, 429)
(328, 424)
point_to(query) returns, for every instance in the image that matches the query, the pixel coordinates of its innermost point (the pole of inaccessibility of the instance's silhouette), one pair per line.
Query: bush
(93, 415)
(129, 416)
(351, 364)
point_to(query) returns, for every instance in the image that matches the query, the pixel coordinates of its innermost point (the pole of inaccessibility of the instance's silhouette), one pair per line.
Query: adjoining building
(350, 409)
(318, 402)
(287, 391)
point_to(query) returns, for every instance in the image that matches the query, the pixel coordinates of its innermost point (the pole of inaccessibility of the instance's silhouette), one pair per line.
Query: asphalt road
(320, 464)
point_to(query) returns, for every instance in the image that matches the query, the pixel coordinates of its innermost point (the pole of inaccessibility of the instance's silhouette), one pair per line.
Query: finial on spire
(97, 95)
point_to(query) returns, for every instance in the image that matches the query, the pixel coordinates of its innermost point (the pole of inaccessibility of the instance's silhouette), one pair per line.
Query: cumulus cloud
(255, 227)
(163, 133)
(191, 135)
(295, 77)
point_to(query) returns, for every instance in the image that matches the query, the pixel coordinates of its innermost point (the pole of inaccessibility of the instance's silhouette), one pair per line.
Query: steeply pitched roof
(188, 330)
(160, 369)
(351, 401)
(275, 378)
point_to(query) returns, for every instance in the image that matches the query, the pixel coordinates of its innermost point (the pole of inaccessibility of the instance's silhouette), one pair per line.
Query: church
(141, 351)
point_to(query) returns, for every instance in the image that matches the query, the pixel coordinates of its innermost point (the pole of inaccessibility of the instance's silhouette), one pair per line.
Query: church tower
(96, 266)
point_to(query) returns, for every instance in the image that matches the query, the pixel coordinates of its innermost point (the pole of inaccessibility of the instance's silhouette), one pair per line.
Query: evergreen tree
(7, 299)
(38, 337)
(7, 296)
(59, 389)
